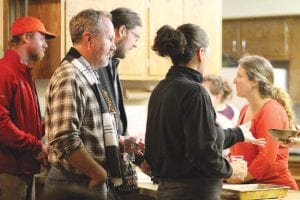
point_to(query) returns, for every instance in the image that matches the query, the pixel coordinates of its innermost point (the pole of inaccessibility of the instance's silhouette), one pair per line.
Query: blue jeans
(190, 189)
(63, 185)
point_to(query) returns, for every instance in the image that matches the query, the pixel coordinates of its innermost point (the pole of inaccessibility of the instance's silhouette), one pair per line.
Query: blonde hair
(260, 69)
(218, 86)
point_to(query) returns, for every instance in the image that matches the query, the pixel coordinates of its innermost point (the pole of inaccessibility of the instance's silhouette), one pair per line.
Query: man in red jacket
(21, 129)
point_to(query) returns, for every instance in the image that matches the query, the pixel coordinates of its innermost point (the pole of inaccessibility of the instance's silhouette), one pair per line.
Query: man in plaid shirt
(80, 127)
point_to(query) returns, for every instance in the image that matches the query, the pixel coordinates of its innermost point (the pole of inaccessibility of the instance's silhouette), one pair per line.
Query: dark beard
(119, 54)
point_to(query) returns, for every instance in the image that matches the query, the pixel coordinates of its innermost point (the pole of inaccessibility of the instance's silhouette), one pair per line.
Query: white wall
(259, 8)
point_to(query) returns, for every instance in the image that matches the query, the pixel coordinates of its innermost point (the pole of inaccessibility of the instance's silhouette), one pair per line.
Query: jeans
(15, 187)
(63, 185)
(190, 189)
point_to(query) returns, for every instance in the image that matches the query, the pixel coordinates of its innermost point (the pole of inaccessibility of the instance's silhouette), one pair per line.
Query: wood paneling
(268, 37)
(162, 12)
(294, 167)
(208, 15)
(72, 7)
(294, 61)
(231, 39)
(134, 66)
(48, 11)
(141, 63)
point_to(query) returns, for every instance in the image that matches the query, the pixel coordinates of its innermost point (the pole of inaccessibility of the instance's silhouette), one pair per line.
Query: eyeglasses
(135, 35)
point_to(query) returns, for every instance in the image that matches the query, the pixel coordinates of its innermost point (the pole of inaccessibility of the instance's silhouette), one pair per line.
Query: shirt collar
(15, 59)
(188, 72)
(73, 53)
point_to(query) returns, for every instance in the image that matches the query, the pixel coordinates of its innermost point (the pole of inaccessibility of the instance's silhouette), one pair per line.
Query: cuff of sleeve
(37, 147)
(239, 134)
(138, 159)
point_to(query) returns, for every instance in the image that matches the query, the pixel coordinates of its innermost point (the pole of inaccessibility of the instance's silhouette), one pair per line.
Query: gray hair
(87, 20)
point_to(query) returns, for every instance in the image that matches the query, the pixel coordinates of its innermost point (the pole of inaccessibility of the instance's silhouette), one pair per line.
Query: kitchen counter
(150, 190)
(146, 187)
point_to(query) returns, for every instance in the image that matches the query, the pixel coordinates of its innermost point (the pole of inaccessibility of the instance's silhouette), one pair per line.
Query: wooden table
(150, 190)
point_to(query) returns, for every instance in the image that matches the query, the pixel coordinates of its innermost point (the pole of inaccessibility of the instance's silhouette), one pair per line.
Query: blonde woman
(268, 107)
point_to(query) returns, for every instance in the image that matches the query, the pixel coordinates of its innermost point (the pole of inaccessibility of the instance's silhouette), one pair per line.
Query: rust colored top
(267, 164)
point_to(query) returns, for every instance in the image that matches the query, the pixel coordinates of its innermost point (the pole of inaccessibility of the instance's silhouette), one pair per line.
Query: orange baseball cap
(29, 24)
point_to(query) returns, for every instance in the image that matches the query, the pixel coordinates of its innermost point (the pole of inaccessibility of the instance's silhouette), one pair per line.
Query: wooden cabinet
(158, 66)
(231, 36)
(49, 12)
(141, 63)
(294, 167)
(185, 11)
(134, 66)
(268, 37)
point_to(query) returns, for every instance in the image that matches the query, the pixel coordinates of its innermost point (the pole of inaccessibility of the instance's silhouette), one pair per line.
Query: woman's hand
(293, 142)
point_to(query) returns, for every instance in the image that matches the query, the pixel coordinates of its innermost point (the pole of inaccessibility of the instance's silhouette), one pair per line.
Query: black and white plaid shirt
(73, 117)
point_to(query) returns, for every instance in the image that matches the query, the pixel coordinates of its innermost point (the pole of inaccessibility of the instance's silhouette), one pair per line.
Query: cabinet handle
(233, 46)
(244, 46)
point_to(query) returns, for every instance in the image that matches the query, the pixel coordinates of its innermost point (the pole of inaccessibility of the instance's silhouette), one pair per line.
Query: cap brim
(49, 35)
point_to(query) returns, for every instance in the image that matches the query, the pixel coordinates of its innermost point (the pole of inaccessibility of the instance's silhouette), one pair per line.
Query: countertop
(294, 158)
(150, 190)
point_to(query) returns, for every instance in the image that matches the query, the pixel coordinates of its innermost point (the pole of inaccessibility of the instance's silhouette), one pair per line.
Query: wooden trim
(6, 27)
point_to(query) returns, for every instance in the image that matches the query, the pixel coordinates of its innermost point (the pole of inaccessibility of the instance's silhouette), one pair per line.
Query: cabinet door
(231, 39)
(52, 21)
(208, 15)
(134, 65)
(266, 37)
(72, 7)
(162, 12)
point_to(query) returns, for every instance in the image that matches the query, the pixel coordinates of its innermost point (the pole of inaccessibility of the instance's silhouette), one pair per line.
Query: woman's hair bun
(169, 42)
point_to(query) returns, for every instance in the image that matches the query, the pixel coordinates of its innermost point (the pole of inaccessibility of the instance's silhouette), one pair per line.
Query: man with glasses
(128, 28)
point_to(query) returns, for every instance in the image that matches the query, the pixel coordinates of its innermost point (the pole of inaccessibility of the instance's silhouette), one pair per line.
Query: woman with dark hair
(268, 107)
(183, 143)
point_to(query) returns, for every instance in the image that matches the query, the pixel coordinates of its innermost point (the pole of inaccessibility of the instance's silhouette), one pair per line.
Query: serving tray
(253, 191)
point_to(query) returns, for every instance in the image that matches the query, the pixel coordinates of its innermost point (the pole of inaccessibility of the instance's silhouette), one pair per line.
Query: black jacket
(182, 137)
(109, 79)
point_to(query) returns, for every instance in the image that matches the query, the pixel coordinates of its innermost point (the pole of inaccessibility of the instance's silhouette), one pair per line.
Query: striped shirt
(73, 117)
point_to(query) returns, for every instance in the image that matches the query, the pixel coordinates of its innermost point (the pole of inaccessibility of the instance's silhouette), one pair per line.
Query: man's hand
(42, 156)
(130, 144)
(82, 160)
(99, 180)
